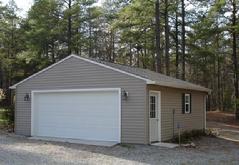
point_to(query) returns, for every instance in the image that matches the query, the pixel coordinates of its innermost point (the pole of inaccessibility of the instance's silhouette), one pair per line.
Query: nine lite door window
(187, 103)
(152, 107)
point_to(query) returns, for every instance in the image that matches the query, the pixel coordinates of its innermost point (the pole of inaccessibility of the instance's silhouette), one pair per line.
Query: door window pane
(152, 107)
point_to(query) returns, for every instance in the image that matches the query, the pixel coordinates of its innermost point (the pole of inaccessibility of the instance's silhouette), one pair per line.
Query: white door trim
(76, 90)
(159, 114)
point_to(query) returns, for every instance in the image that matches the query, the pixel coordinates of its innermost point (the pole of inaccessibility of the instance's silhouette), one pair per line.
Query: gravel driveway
(20, 150)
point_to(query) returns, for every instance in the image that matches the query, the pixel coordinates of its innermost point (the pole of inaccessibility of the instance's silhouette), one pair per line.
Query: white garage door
(88, 115)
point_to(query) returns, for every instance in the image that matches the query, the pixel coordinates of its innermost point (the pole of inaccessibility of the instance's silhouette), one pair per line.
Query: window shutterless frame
(187, 103)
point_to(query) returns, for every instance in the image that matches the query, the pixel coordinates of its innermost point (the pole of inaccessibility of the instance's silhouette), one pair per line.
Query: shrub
(125, 145)
(212, 132)
(188, 136)
(7, 117)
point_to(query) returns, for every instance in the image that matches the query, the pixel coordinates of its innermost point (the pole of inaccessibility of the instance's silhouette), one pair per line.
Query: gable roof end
(41, 71)
(148, 81)
(146, 75)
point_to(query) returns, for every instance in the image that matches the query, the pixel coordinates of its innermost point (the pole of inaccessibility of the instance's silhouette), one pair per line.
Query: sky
(25, 5)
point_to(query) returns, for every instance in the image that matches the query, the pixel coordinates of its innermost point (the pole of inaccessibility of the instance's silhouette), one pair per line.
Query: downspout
(173, 121)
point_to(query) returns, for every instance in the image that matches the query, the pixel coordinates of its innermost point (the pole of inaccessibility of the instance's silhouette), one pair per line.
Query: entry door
(154, 116)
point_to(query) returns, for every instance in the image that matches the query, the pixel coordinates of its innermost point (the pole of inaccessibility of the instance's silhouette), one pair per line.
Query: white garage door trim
(76, 90)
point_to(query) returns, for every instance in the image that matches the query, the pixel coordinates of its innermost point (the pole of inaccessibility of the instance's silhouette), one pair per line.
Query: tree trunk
(145, 42)
(53, 59)
(157, 30)
(77, 42)
(214, 84)
(183, 39)
(113, 47)
(176, 42)
(130, 54)
(219, 90)
(234, 55)
(95, 50)
(90, 36)
(219, 83)
(112, 36)
(166, 39)
(1, 75)
(69, 28)
(138, 58)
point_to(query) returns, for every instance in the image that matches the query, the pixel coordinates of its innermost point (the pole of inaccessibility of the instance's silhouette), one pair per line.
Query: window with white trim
(186, 103)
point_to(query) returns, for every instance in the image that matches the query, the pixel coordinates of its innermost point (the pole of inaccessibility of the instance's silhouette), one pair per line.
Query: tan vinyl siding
(77, 74)
(171, 98)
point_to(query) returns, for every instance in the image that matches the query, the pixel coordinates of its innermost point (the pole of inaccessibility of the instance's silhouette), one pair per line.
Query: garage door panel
(73, 119)
(79, 115)
(80, 133)
(86, 112)
(83, 124)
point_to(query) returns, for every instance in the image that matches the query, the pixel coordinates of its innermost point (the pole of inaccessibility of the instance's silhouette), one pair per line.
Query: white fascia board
(150, 82)
(87, 60)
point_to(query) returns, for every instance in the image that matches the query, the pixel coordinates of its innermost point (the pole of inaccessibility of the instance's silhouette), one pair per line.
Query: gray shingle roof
(160, 79)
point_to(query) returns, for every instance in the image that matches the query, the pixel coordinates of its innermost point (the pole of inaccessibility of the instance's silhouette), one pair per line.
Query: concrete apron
(76, 141)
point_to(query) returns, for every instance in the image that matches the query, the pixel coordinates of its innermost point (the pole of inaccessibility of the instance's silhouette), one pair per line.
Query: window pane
(187, 108)
(153, 99)
(152, 107)
(152, 111)
(186, 98)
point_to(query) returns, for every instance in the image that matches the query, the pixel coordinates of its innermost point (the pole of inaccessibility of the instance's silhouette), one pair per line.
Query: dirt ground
(223, 120)
(225, 123)
(15, 150)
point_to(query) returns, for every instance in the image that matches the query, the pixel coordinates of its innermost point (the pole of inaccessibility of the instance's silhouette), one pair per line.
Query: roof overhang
(179, 87)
